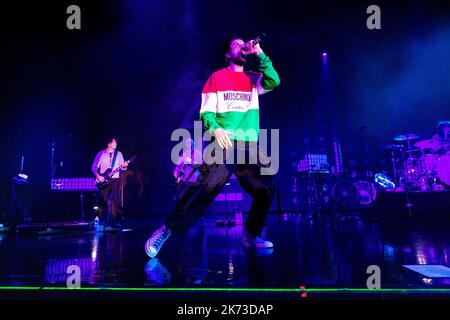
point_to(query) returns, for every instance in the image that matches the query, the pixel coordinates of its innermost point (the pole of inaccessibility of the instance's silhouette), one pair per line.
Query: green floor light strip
(19, 288)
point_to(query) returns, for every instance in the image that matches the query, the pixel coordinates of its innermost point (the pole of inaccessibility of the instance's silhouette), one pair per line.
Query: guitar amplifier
(313, 162)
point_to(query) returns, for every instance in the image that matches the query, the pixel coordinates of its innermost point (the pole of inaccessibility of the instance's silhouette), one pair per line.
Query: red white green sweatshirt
(230, 99)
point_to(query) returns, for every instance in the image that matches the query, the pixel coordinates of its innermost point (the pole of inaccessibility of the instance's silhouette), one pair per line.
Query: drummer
(440, 142)
(442, 137)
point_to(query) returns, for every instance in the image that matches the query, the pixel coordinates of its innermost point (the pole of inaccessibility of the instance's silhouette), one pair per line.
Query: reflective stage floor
(314, 259)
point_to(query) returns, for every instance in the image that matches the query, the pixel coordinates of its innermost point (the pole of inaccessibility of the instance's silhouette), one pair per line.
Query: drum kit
(422, 166)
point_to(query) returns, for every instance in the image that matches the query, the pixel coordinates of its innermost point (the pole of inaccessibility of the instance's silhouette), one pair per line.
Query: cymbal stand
(408, 205)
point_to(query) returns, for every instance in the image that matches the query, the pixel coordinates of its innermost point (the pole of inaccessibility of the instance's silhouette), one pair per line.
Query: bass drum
(411, 170)
(345, 193)
(366, 192)
(428, 164)
(443, 168)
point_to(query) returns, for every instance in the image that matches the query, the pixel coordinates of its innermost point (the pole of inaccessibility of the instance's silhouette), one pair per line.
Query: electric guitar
(109, 173)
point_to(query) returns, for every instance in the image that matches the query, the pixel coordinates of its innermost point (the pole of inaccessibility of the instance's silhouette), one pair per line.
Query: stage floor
(324, 259)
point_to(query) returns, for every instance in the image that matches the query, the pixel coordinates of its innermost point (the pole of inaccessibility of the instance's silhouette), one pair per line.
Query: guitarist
(109, 158)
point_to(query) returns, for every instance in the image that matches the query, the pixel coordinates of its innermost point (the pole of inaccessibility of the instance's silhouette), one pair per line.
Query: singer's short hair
(227, 43)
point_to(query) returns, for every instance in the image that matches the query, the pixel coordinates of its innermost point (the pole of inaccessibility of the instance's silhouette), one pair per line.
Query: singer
(230, 111)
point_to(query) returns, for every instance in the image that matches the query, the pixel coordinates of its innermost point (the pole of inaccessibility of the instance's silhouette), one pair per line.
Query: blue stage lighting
(384, 181)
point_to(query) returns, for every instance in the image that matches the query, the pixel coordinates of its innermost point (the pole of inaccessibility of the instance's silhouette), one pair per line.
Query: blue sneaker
(256, 242)
(156, 272)
(154, 244)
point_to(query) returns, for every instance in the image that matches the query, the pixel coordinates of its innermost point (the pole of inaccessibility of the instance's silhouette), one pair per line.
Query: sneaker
(256, 242)
(154, 244)
(156, 272)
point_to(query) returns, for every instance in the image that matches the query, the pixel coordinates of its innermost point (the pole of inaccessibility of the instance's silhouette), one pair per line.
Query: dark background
(136, 70)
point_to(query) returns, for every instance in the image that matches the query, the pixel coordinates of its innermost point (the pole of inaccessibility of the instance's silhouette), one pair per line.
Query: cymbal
(432, 144)
(413, 150)
(407, 137)
(394, 146)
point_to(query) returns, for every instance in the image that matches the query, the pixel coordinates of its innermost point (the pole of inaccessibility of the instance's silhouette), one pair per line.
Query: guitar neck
(114, 171)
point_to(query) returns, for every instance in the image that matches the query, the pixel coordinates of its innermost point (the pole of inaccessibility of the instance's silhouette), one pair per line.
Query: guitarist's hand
(125, 164)
(100, 178)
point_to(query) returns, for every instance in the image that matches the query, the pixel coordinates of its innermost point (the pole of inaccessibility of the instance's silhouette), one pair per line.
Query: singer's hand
(222, 138)
(253, 49)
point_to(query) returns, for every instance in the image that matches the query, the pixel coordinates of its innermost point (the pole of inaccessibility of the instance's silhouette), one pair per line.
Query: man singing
(106, 159)
(230, 112)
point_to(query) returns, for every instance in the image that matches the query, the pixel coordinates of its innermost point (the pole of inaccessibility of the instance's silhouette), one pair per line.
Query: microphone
(253, 42)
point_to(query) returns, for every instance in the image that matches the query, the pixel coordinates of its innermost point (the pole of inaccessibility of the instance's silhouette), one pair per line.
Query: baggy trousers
(194, 199)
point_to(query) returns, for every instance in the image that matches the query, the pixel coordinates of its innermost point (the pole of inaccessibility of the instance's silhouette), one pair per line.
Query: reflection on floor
(314, 254)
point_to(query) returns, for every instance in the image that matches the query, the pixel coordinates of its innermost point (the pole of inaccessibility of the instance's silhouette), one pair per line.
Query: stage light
(95, 208)
(21, 178)
(384, 181)
(325, 62)
(73, 184)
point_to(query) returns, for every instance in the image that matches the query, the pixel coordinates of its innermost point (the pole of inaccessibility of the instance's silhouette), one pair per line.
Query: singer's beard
(239, 60)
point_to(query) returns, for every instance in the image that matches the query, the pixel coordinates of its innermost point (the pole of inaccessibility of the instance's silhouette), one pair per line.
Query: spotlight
(384, 181)
(324, 54)
(21, 178)
(95, 208)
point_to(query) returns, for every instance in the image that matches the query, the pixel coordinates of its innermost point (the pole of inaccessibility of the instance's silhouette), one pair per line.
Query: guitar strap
(114, 159)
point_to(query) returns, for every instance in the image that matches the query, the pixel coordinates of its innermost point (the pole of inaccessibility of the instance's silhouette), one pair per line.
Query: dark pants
(110, 195)
(195, 199)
